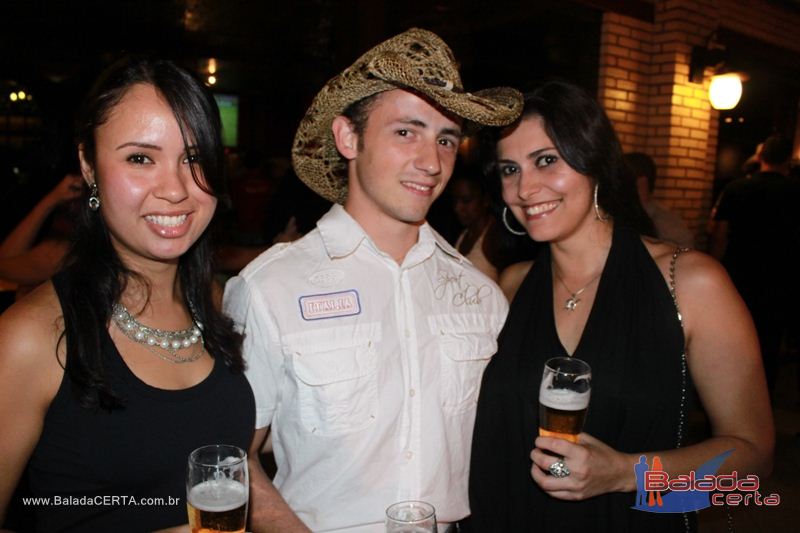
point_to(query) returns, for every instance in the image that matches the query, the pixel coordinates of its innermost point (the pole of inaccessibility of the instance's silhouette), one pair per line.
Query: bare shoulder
(512, 277)
(691, 267)
(704, 291)
(30, 376)
(29, 333)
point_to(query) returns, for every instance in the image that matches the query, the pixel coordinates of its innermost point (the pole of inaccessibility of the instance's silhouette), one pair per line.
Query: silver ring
(559, 469)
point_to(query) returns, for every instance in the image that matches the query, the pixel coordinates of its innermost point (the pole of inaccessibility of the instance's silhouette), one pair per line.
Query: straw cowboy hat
(418, 60)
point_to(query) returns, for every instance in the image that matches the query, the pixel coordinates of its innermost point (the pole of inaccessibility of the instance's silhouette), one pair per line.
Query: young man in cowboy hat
(367, 338)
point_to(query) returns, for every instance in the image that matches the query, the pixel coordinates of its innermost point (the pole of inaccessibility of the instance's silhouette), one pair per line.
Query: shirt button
(412, 392)
(408, 333)
(409, 455)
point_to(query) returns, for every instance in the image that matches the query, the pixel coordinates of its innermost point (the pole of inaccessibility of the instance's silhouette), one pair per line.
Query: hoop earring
(508, 226)
(597, 214)
(94, 200)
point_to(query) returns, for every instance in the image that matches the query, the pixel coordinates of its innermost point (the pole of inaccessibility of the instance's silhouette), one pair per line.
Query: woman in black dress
(606, 293)
(116, 369)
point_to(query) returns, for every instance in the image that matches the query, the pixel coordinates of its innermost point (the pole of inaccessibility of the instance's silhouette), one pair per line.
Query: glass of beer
(217, 488)
(564, 397)
(411, 517)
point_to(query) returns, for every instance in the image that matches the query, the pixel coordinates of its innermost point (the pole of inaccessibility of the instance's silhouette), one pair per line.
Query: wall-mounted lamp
(725, 89)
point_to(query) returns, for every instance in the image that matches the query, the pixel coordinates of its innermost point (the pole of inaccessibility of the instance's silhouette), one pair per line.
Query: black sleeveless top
(106, 467)
(634, 343)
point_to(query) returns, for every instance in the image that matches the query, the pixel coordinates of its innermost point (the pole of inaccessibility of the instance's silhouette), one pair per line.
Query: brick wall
(644, 86)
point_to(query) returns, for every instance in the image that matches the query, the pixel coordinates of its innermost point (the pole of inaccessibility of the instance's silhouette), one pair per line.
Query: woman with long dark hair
(122, 364)
(605, 292)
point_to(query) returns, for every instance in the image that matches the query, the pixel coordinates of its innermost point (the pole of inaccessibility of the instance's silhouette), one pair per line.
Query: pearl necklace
(152, 338)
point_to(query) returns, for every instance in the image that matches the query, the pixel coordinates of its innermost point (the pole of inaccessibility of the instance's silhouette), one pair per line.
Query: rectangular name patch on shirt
(331, 305)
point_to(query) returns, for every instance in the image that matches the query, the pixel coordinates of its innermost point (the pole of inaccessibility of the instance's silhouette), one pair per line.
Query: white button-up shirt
(367, 371)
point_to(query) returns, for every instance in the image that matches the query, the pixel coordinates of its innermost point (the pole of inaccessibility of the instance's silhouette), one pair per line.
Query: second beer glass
(411, 517)
(564, 397)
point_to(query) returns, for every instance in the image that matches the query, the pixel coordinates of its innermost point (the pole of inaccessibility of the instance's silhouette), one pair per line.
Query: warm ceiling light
(13, 97)
(212, 80)
(21, 95)
(725, 91)
(212, 66)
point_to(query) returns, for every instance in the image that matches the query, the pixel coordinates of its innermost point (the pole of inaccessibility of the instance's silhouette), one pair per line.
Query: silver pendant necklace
(572, 302)
(158, 339)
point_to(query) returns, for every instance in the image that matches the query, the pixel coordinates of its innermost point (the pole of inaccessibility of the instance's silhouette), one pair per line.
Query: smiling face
(403, 162)
(547, 196)
(152, 206)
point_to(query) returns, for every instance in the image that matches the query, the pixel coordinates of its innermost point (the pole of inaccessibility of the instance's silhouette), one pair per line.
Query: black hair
(641, 164)
(777, 150)
(95, 273)
(585, 138)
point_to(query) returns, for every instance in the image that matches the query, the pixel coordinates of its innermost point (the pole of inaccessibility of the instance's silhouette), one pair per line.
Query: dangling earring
(508, 226)
(94, 200)
(597, 214)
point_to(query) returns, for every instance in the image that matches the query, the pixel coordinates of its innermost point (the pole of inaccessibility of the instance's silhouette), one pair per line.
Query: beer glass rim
(237, 453)
(426, 507)
(583, 366)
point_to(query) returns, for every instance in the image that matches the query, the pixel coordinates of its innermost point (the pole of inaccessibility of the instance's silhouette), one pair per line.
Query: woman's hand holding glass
(595, 468)
(568, 464)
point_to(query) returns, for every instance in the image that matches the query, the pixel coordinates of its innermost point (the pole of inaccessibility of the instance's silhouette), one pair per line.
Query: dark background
(276, 55)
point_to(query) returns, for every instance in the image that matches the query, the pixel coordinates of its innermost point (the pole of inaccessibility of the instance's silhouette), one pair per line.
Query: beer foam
(563, 399)
(218, 495)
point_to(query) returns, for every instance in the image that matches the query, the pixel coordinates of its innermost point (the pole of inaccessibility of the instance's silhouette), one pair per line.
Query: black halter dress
(634, 342)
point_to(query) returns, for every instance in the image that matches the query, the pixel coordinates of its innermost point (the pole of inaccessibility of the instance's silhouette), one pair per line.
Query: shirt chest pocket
(336, 369)
(465, 347)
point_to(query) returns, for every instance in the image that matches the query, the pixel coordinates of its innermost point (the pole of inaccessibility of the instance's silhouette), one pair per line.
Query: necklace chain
(158, 339)
(572, 302)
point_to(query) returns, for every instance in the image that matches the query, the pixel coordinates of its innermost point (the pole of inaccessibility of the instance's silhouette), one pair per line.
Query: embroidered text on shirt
(460, 291)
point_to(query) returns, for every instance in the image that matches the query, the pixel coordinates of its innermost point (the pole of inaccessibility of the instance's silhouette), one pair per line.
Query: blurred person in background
(478, 240)
(670, 227)
(26, 257)
(756, 234)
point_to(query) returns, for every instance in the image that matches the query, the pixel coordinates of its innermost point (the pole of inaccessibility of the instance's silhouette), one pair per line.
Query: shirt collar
(341, 235)
(427, 233)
